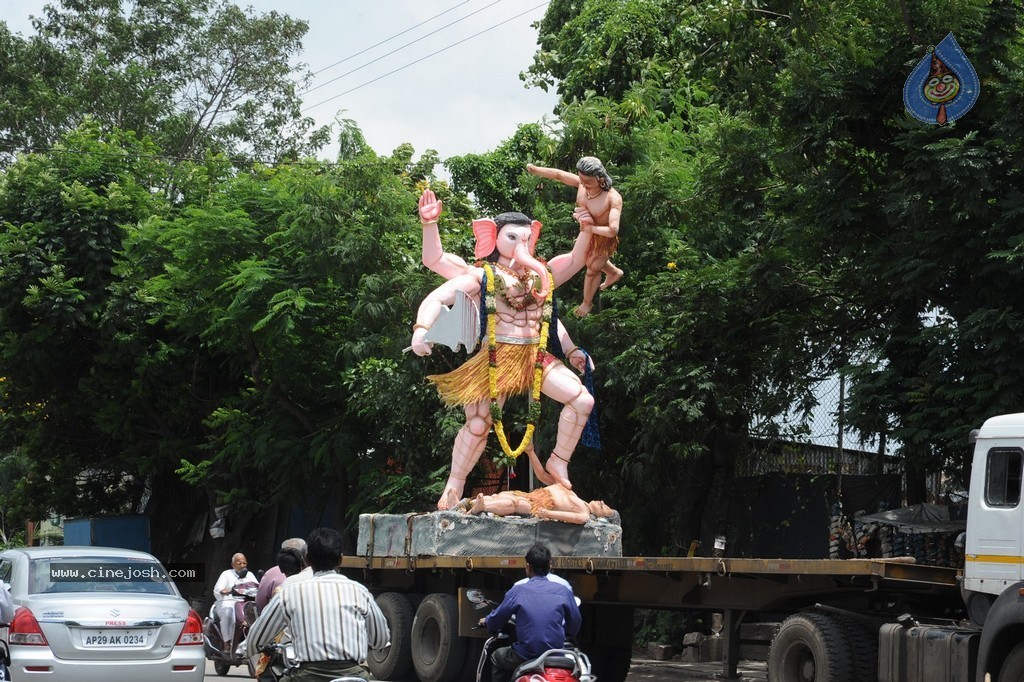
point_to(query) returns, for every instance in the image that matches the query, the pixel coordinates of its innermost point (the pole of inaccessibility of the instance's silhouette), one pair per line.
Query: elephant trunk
(523, 257)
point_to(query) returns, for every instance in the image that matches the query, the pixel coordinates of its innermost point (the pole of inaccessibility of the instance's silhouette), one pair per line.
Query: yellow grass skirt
(469, 382)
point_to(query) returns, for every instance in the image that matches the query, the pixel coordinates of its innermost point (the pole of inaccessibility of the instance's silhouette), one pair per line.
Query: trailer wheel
(394, 662)
(610, 663)
(810, 647)
(1013, 667)
(437, 650)
(474, 649)
(862, 641)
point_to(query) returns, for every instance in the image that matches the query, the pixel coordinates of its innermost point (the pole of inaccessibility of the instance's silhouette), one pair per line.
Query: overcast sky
(452, 90)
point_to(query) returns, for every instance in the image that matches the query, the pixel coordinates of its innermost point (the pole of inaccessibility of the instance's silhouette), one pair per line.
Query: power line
(388, 54)
(426, 21)
(131, 155)
(443, 49)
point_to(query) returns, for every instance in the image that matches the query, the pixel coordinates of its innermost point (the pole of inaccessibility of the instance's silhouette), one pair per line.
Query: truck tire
(394, 662)
(978, 605)
(1013, 666)
(862, 641)
(810, 647)
(474, 649)
(610, 663)
(437, 650)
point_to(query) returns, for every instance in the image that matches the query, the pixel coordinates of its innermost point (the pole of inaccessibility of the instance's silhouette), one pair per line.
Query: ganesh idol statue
(512, 289)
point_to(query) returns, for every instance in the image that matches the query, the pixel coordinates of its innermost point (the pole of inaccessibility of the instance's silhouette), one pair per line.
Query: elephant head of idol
(513, 237)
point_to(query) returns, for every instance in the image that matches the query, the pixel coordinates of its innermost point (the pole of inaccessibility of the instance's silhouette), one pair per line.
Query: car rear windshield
(98, 574)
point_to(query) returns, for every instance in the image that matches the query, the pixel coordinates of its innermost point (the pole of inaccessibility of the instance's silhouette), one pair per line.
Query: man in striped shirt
(333, 621)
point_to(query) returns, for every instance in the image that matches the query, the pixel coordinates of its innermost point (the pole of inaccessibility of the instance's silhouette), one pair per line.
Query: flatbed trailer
(861, 592)
(854, 620)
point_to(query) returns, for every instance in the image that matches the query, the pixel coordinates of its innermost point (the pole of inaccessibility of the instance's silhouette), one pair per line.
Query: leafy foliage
(789, 216)
(65, 353)
(297, 278)
(192, 74)
(243, 329)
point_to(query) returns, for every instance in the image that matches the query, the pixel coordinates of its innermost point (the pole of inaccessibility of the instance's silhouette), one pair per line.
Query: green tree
(299, 282)
(497, 178)
(762, 149)
(192, 74)
(909, 249)
(65, 354)
(248, 339)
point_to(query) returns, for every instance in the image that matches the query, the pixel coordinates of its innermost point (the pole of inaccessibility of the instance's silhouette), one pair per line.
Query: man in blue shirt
(545, 612)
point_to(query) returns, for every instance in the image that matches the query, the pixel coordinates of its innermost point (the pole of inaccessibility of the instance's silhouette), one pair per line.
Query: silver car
(95, 614)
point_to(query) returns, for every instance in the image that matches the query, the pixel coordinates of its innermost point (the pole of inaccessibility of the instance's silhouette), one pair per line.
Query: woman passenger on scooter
(545, 612)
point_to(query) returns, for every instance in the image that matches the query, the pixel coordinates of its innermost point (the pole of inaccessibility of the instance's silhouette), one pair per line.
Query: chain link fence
(818, 444)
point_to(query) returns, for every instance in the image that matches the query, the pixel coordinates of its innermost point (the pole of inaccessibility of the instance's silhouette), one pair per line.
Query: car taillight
(25, 630)
(192, 632)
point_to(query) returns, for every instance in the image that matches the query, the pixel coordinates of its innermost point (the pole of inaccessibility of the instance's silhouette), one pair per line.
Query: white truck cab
(995, 522)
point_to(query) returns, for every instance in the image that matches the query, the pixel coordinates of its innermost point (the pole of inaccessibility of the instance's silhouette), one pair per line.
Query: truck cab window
(1003, 479)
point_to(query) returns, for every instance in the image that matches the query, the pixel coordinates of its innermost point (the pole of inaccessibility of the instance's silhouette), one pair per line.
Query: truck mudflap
(924, 653)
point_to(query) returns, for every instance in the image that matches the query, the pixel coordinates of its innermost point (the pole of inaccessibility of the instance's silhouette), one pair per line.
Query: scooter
(5, 662)
(213, 641)
(567, 664)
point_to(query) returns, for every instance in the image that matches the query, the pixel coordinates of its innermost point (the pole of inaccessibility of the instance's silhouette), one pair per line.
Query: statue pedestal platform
(451, 533)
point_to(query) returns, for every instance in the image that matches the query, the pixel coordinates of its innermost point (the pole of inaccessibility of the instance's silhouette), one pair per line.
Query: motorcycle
(567, 664)
(281, 664)
(213, 641)
(276, 662)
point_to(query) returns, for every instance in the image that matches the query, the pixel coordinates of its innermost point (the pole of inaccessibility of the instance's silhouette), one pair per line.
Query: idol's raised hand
(430, 207)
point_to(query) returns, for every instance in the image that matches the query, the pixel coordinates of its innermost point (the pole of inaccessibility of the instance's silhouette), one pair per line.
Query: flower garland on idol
(533, 411)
